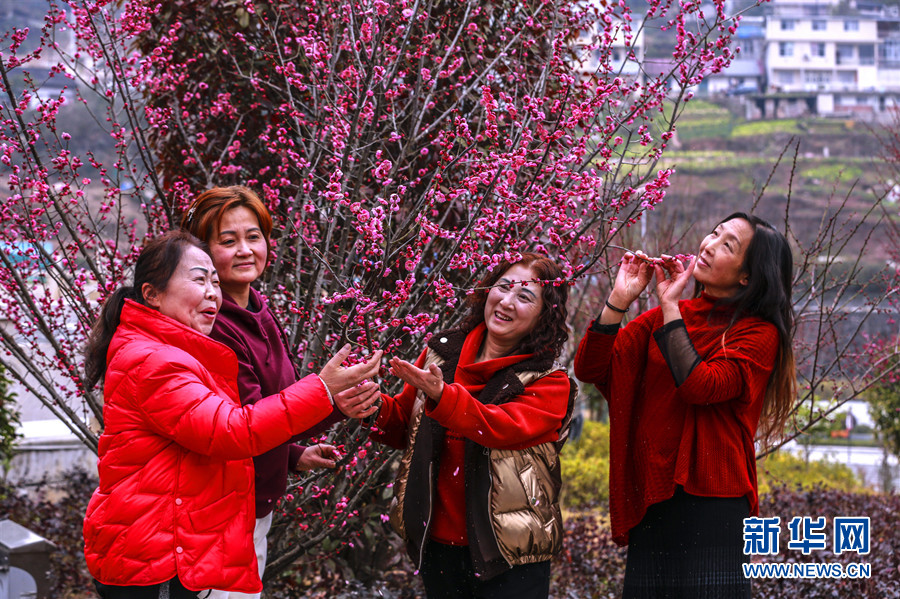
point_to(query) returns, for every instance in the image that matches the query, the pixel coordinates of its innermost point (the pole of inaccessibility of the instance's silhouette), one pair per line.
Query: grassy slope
(723, 164)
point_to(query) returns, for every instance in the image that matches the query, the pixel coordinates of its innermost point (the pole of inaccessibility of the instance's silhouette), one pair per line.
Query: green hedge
(585, 471)
(585, 468)
(783, 468)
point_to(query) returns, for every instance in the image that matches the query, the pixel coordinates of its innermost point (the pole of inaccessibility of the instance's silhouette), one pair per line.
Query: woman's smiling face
(239, 250)
(512, 309)
(192, 295)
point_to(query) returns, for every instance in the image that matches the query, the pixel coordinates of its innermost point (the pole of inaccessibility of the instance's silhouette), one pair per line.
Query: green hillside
(723, 164)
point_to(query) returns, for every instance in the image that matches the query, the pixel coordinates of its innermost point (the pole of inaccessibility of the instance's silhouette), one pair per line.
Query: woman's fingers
(338, 378)
(404, 370)
(672, 277)
(359, 401)
(367, 402)
(633, 276)
(367, 369)
(321, 455)
(357, 395)
(338, 358)
(430, 381)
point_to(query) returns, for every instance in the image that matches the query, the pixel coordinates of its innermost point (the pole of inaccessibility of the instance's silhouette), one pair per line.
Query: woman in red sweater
(482, 418)
(691, 385)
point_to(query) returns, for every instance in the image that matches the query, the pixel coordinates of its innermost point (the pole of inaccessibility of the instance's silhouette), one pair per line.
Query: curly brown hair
(549, 335)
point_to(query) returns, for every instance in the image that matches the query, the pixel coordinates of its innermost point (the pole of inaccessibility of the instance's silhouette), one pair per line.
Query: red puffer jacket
(176, 478)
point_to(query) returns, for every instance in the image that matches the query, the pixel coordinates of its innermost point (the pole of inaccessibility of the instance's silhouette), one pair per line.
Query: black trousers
(172, 589)
(689, 547)
(448, 573)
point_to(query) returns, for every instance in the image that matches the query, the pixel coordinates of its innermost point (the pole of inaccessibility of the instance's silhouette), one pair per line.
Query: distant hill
(723, 163)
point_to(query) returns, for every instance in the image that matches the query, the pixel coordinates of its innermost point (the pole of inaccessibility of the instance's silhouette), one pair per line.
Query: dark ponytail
(157, 263)
(102, 333)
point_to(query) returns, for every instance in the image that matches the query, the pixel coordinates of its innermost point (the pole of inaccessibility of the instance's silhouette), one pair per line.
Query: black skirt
(689, 547)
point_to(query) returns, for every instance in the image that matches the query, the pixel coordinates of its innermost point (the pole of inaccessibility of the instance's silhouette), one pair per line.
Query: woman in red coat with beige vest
(482, 418)
(174, 512)
(691, 384)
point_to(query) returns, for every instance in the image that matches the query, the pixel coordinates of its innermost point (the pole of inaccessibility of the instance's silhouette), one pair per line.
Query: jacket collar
(502, 386)
(231, 307)
(214, 356)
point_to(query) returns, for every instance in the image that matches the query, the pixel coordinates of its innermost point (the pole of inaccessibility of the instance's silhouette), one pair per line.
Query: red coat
(699, 435)
(176, 478)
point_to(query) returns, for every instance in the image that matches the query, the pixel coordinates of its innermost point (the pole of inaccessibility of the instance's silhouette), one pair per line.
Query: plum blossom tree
(404, 148)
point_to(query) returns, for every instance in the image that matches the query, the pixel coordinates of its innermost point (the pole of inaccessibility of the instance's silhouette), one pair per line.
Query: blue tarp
(18, 251)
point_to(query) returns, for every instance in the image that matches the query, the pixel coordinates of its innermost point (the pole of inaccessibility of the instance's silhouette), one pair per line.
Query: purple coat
(264, 368)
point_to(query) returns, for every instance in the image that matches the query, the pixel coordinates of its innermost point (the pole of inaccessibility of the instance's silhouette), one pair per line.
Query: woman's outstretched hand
(360, 401)
(430, 381)
(339, 378)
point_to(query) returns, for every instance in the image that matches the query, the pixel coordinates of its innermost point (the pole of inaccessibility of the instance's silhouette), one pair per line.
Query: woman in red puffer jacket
(174, 512)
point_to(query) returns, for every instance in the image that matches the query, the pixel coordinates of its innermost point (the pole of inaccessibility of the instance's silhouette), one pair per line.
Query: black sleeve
(678, 350)
(604, 329)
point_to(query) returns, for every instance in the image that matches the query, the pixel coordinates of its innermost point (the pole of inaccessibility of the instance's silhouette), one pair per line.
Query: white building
(812, 48)
(623, 58)
(829, 57)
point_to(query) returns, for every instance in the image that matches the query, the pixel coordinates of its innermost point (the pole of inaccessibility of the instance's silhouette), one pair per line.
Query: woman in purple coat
(236, 225)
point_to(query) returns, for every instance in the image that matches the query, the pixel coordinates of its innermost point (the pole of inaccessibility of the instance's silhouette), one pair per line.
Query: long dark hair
(550, 333)
(769, 265)
(157, 263)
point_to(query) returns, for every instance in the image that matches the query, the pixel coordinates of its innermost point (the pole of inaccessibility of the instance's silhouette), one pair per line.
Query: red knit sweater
(699, 435)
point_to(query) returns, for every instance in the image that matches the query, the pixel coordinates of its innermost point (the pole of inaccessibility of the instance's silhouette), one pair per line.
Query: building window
(818, 76)
(818, 49)
(890, 50)
(852, 25)
(846, 77)
(788, 24)
(785, 48)
(867, 54)
(818, 25)
(784, 77)
(844, 54)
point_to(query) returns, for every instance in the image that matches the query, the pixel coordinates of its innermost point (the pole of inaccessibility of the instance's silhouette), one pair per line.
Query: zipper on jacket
(431, 484)
(487, 500)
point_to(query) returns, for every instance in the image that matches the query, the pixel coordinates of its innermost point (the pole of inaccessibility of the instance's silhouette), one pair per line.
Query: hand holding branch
(633, 277)
(672, 277)
(321, 455)
(360, 401)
